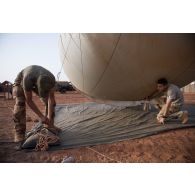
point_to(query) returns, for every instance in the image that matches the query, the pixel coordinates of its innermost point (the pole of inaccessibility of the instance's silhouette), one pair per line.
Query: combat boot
(19, 137)
(184, 117)
(19, 140)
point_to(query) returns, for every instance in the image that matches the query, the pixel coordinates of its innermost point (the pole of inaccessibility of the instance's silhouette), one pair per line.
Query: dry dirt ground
(172, 146)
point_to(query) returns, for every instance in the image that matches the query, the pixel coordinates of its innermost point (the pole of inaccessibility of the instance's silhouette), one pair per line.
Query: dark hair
(162, 81)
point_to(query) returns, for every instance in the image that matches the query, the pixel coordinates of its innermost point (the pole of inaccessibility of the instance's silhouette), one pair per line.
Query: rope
(104, 155)
(44, 140)
(82, 71)
(66, 51)
(108, 64)
(74, 40)
(59, 73)
(147, 105)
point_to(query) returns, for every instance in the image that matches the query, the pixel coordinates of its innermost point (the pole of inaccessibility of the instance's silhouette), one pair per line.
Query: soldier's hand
(161, 120)
(45, 120)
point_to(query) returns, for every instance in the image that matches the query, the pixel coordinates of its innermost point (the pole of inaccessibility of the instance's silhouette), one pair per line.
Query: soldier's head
(44, 85)
(162, 85)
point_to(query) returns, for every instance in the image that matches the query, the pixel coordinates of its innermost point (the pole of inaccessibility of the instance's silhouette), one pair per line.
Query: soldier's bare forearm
(168, 105)
(51, 105)
(50, 110)
(153, 95)
(33, 106)
(46, 110)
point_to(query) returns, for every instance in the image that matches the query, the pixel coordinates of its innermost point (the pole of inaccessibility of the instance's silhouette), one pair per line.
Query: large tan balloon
(126, 66)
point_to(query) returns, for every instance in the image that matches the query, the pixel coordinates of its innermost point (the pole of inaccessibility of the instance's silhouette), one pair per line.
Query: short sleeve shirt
(28, 77)
(174, 93)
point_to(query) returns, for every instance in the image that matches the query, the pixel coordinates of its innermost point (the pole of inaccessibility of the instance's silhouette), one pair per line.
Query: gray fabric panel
(92, 123)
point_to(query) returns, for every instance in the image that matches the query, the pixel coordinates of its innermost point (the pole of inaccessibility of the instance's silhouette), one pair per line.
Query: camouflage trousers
(19, 114)
(174, 110)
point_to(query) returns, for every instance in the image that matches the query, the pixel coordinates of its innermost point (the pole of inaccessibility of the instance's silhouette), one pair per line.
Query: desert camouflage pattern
(175, 110)
(19, 115)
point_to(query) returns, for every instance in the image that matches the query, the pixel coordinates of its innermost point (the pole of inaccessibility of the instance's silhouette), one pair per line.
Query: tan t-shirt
(37, 79)
(175, 94)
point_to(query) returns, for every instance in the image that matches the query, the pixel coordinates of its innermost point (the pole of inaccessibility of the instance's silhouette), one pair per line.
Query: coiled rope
(44, 140)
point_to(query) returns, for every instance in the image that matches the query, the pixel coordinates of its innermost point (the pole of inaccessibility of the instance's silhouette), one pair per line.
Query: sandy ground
(173, 146)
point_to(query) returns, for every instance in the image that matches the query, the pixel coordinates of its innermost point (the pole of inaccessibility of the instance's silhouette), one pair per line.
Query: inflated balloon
(126, 66)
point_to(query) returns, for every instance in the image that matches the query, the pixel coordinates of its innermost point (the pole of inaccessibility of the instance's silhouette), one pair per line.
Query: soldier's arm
(32, 105)
(51, 106)
(153, 95)
(168, 105)
(171, 96)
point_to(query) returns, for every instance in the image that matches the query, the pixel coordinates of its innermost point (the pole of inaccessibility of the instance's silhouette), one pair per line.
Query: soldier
(171, 107)
(33, 79)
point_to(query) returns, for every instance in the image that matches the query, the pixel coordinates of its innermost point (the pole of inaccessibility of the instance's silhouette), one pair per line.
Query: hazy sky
(20, 50)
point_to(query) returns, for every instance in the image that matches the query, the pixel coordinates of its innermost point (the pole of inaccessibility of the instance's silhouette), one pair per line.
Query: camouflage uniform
(19, 115)
(175, 110)
(28, 79)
